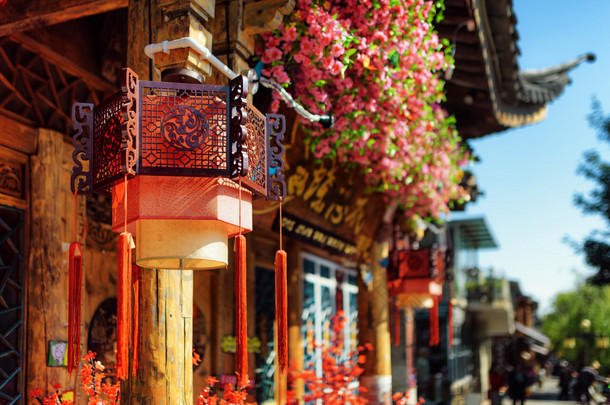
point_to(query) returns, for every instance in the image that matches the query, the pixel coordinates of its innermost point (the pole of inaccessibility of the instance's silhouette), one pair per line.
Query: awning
(495, 319)
(539, 349)
(535, 334)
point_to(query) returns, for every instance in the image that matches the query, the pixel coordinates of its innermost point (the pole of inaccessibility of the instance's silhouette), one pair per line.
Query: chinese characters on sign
(337, 200)
(228, 344)
(313, 235)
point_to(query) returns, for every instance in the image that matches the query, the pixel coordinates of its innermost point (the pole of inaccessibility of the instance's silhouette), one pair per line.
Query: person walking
(497, 380)
(586, 378)
(565, 381)
(423, 374)
(517, 385)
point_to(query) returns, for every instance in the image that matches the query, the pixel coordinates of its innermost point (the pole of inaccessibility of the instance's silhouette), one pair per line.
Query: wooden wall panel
(51, 231)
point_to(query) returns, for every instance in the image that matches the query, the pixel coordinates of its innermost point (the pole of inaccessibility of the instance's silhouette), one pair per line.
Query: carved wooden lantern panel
(177, 129)
(182, 147)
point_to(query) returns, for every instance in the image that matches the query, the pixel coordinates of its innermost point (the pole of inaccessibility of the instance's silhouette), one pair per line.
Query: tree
(596, 246)
(565, 323)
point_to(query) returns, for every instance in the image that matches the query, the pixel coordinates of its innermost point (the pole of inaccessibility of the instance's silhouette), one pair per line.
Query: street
(545, 395)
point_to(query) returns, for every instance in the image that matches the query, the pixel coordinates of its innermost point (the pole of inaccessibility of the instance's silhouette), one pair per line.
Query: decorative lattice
(37, 90)
(107, 140)
(183, 129)
(82, 119)
(256, 177)
(276, 183)
(12, 300)
(177, 129)
(129, 129)
(238, 90)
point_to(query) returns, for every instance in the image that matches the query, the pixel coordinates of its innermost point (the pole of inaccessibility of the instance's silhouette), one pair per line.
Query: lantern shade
(181, 222)
(181, 244)
(415, 277)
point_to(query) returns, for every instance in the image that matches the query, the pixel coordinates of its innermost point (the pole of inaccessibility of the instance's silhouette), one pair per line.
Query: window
(328, 288)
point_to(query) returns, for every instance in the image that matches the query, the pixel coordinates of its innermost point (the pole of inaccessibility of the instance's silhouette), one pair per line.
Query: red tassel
(241, 316)
(281, 309)
(123, 305)
(396, 325)
(136, 321)
(450, 322)
(75, 276)
(434, 332)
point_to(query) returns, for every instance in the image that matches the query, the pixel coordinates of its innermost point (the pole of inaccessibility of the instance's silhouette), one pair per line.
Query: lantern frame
(177, 129)
(416, 275)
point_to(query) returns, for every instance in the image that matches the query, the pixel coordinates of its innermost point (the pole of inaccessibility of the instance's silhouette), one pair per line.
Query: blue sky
(529, 174)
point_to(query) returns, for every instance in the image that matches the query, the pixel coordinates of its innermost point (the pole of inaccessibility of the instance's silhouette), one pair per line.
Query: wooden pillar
(373, 299)
(410, 346)
(51, 231)
(165, 376)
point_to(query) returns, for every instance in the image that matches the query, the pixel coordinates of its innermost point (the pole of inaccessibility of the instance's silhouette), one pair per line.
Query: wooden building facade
(56, 52)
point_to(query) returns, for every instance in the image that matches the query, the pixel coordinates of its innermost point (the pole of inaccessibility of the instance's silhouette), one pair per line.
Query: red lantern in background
(174, 157)
(415, 279)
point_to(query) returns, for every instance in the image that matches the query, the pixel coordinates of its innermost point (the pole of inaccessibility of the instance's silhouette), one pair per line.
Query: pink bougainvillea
(376, 66)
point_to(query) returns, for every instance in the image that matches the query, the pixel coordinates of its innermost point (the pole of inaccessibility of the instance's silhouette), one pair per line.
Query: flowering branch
(375, 65)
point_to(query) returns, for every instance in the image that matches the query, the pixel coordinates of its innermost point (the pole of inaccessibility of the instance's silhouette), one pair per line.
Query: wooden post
(165, 376)
(51, 230)
(410, 345)
(373, 299)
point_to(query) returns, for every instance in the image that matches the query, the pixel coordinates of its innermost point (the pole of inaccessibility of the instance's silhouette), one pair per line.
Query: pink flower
(335, 68)
(327, 63)
(390, 94)
(290, 35)
(271, 55)
(275, 106)
(337, 50)
(306, 46)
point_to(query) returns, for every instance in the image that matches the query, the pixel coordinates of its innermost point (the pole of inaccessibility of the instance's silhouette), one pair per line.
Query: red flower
(56, 387)
(196, 358)
(35, 393)
(89, 356)
(211, 380)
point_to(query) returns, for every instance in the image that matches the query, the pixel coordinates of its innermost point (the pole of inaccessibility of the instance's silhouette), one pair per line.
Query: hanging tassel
(281, 309)
(434, 332)
(450, 322)
(123, 304)
(396, 325)
(74, 304)
(241, 316)
(136, 321)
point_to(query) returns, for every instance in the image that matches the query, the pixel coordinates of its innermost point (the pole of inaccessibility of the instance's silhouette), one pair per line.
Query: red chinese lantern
(416, 280)
(174, 156)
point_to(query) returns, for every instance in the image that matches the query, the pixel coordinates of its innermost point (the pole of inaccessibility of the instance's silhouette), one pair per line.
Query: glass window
(328, 287)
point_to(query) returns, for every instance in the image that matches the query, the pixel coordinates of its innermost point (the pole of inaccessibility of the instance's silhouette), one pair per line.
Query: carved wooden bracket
(265, 15)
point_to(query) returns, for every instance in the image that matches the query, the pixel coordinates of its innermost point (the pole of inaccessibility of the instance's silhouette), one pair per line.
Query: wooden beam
(18, 16)
(65, 63)
(17, 136)
(266, 15)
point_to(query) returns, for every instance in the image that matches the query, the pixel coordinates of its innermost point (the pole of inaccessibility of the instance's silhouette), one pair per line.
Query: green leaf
(350, 52)
(394, 58)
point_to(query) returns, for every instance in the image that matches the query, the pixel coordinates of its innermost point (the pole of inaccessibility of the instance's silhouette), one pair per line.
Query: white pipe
(186, 42)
